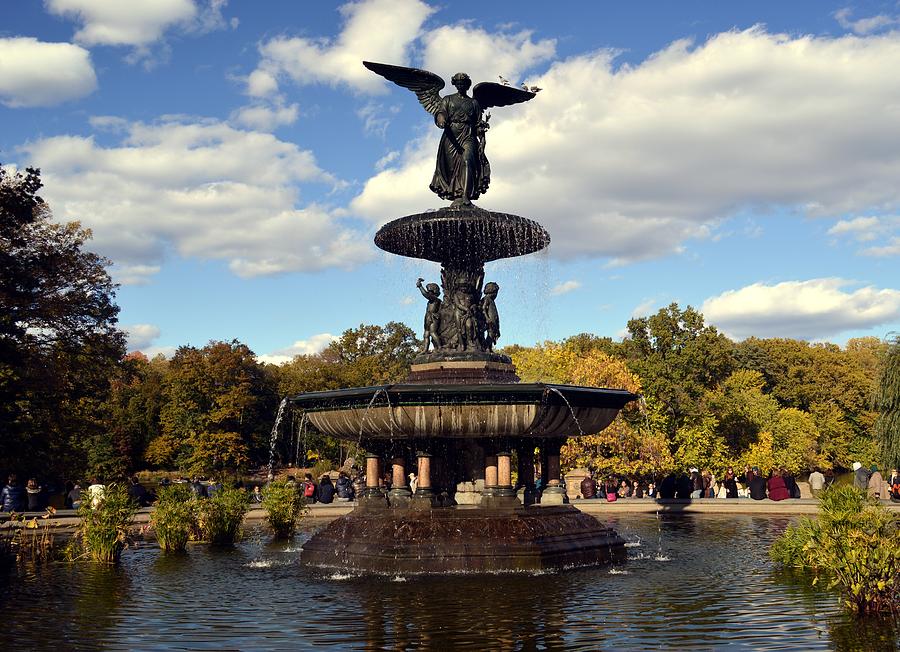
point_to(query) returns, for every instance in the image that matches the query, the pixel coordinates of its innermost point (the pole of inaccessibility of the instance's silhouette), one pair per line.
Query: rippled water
(691, 581)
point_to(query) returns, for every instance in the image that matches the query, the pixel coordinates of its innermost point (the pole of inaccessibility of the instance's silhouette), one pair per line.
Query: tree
(678, 359)
(59, 344)
(217, 411)
(888, 425)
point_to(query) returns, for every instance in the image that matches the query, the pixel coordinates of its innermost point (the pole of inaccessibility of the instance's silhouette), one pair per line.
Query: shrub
(284, 505)
(220, 517)
(103, 531)
(853, 545)
(322, 467)
(174, 518)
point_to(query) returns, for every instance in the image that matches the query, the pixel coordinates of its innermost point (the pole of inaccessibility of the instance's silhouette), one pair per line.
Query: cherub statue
(462, 172)
(432, 314)
(491, 316)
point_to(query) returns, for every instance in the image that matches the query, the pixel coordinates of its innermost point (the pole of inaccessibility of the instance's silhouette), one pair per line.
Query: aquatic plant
(284, 504)
(175, 517)
(853, 546)
(102, 533)
(220, 517)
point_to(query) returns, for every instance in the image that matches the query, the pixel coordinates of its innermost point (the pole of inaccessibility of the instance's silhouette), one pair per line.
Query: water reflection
(698, 582)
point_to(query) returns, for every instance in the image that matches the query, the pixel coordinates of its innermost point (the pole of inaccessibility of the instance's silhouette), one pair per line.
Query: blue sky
(234, 159)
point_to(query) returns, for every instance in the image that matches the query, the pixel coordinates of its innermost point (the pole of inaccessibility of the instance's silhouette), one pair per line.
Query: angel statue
(462, 172)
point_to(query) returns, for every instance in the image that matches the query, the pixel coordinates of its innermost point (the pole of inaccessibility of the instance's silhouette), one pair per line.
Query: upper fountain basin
(464, 236)
(462, 411)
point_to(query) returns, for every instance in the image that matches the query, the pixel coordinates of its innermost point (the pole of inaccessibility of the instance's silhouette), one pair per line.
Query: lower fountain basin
(401, 411)
(463, 540)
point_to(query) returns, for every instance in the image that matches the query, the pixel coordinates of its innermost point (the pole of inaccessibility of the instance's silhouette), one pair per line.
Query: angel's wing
(489, 94)
(426, 85)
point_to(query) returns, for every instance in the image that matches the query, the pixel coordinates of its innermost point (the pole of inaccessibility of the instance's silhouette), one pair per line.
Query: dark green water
(691, 582)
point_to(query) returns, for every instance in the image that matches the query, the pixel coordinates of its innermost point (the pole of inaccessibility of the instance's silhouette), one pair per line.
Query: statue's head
(433, 288)
(491, 288)
(461, 81)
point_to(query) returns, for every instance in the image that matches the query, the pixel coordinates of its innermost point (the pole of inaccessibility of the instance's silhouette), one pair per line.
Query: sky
(234, 159)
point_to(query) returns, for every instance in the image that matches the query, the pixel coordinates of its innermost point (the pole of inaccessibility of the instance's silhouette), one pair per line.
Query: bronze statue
(462, 172)
(491, 316)
(432, 314)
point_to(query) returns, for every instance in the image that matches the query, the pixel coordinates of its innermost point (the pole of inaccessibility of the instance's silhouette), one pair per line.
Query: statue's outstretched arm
(426, 85)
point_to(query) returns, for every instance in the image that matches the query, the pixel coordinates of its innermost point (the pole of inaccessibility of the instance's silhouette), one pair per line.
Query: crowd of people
(777, 484)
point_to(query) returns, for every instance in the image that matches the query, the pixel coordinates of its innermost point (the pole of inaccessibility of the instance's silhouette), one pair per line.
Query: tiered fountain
(462, 416)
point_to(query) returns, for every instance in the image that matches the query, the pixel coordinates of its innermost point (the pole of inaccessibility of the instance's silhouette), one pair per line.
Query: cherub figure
(491, 316)
(432, 314)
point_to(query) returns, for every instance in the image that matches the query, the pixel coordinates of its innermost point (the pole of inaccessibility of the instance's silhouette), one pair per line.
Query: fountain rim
(408, 394)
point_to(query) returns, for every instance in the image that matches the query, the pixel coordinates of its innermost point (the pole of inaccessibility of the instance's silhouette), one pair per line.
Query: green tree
(888, 402)
(59, 344)
(678, 359)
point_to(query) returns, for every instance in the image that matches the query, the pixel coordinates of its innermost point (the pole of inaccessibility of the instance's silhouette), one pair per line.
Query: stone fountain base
(463, 539)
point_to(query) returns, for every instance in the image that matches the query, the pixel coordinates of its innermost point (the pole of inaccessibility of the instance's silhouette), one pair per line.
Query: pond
(691, 581)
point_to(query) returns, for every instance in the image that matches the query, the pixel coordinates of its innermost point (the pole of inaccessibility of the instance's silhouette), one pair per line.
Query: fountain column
(373, 474)
(424, 495)
(553, 494)
(399, 494)
(525, 453)
(490, 474)
(504, 473)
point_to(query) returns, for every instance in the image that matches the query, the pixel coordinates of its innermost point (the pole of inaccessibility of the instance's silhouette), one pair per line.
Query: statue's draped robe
(460, 146)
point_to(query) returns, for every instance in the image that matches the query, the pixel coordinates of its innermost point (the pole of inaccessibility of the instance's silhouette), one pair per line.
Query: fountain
(462, 415)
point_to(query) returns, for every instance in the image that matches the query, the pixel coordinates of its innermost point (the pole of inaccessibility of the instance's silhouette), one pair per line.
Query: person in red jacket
(777, 488)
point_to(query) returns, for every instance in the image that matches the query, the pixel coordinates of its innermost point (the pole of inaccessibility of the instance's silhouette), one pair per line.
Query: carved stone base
(463, 540)
(462, 372)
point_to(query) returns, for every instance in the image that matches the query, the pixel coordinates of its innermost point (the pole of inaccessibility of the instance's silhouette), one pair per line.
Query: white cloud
(484, 56)
(629, 162)
(113, 22)
(140, 23)
(864, 26)
(376, 30)
(376, 118)
(885, 229)
(36, 73)
(141, 336)
(265, 117)
(644, 308)
(565, 287)
(201, 188)
(315, 344)
(813, 309)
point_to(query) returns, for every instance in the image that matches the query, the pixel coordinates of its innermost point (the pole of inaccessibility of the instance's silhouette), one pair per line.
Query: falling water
(273, 439)
(569, 405)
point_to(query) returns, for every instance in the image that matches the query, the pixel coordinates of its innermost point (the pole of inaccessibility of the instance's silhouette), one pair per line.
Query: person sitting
(73, 498)
(638, 491)
(198, 489)
(325, 493)
(790, 483)
(256, 496)
(344, 488)
(624, 489)
(875, 483)
(756, 484)
(588, 488)
(777, 488)
(816, 482)
(730, 483)
(308, 487)
(137, 492)
(611, 490)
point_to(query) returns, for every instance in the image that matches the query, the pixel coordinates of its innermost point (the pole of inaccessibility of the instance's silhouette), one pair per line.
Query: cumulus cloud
(36, 73)
(644, 308)
(378, 30)
(631, 161)
(565, 287)
(315, 344)
(483, 55)
(810, 310)
(141, 336)
(201, 188)
(265, 117)
(139, 23)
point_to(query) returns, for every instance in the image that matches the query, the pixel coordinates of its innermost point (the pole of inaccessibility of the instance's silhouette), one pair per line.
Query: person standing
(96, 492)
(12, 498)
(730, 482)
(816, 482)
